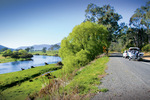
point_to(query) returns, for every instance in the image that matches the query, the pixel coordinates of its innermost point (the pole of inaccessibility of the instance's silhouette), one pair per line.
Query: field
(17, 85)
(7, 59)
(49, 53)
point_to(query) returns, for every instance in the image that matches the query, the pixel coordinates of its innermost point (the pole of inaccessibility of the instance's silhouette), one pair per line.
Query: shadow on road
(145, 60)
(147, 56)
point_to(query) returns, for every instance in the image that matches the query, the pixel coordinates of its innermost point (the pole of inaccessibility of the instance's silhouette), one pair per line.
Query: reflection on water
(15, 63)
(38, 60)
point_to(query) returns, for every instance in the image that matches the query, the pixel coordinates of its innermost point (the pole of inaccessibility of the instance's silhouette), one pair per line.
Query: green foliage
(20, 76)
(54, 47)
(7, 59)
(44, 50)
(82, 45)
(7, 52)
(103, 90)
(146, 48)
(24, 87)
(49, 53)
(17, 54)
(105, 15)
(3, 49)
(141, 20)
(87, 79)
(27, 49)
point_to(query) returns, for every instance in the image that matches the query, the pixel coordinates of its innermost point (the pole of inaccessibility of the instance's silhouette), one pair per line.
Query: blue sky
(29, 22)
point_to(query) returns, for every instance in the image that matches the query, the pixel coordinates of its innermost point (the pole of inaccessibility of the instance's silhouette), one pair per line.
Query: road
(126, 80)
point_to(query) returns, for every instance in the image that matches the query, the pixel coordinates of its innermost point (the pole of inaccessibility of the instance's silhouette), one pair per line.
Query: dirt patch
(146, 58)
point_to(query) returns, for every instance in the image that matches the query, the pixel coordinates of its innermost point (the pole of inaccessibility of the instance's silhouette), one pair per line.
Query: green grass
(49, 53)
(103, 90)
(21, 91)
(24, 86)
(87, 79)
(10, 79)
(7, 59)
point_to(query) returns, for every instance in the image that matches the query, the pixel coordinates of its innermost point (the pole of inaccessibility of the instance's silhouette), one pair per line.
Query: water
(38, 60)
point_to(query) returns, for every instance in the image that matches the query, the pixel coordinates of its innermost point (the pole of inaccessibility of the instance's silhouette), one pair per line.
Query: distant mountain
(41, 46)
(1, 47)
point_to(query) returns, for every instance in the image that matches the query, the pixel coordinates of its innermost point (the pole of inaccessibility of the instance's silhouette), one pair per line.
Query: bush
(82, 45)
(146, 48)
(6, 53)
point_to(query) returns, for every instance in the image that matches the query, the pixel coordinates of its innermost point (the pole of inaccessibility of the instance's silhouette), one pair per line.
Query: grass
(27, 82)
(11, 79)
(21, 91)
(84, 81)
(7, 59)
(87, 79)
(49, 53)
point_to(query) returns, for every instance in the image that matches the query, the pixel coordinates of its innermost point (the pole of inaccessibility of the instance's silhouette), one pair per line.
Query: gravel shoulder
(126, 80)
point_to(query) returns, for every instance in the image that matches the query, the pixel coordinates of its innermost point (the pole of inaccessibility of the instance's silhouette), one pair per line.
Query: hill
(41, 46)
(1, 47)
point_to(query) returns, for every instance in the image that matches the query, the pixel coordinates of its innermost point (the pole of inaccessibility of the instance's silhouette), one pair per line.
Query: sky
(30, 22)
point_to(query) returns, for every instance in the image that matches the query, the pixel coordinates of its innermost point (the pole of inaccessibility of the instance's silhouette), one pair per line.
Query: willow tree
(82, 45)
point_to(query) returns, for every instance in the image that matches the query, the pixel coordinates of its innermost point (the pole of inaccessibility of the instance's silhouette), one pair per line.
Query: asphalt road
(126, 80)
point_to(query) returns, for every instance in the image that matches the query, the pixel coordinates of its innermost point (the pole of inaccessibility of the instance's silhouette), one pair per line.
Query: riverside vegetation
(81, 72)
(9, 56)
(77, 51)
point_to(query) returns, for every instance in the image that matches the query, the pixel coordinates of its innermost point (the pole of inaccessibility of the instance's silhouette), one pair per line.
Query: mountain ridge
(2, 46)
(41, 46)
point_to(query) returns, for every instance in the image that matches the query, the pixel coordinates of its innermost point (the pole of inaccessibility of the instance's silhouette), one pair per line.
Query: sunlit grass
(87, 79)
(7, 59)
(10, 79)
(17, 85)
(49, 53)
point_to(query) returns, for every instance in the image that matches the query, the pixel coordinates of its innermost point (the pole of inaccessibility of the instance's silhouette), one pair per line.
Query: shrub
(82, 45)
(146, 48)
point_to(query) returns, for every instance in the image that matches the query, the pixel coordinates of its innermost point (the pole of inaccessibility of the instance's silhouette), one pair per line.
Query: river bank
(17, 85)
(8, 59)
(31, 83)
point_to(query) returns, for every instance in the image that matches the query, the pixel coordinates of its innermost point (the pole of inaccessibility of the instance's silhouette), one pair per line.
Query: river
(37, 60)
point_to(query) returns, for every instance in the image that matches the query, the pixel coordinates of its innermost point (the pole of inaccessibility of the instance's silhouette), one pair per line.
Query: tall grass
(82, 84)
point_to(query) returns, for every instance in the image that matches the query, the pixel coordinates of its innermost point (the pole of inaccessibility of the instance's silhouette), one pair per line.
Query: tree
(15, 55)
(83, 44)
(141, 19)
(44, 49)
(27, 49)
(32, 49)
(106, 16)
(7, 52)
(3, 49)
